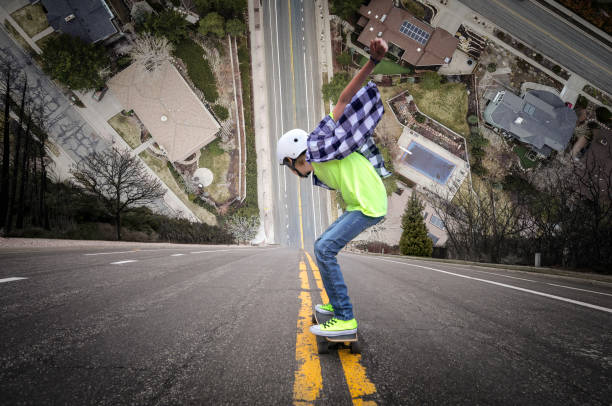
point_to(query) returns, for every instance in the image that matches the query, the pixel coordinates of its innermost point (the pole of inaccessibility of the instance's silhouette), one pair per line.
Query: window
(414, 32)
(529, 109)
(435, 220)
(433, 238)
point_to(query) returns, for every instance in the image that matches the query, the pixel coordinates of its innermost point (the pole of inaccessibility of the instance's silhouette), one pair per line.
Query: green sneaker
(335, 327)
(325, 309)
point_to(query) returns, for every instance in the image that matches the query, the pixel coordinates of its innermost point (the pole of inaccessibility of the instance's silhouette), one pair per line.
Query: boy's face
(302, 166)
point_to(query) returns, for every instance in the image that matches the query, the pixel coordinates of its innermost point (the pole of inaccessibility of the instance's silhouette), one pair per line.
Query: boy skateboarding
(341, 155)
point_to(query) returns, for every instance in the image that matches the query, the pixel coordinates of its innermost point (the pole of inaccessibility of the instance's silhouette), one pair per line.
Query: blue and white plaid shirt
(352, 132)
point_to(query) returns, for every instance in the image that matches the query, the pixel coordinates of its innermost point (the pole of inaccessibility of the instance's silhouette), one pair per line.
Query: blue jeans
(348, 226)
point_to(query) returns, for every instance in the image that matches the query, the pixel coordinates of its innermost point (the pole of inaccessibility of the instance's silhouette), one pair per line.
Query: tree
(345, 9)
(151, 51)
(119, 181)
(492, 67)
(221, 112)
(332, 90)
(414, 239)
(212, 23)
(243, 228)
(169, 23)
(6, 153)
(344, 59)
(226, 8)
(74, 62)
(235, 27)
(603, 115)
(430, 81)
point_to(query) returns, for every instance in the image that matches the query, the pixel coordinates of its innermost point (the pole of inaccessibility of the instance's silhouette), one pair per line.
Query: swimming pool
(428, 163)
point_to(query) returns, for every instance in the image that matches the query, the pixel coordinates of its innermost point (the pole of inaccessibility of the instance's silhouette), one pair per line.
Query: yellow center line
(534, 25)
(308, 380)
(359, 385)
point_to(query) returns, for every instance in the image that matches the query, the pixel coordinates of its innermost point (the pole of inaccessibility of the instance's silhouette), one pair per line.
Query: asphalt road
(228, 325)
(294, 99)
(550, 36)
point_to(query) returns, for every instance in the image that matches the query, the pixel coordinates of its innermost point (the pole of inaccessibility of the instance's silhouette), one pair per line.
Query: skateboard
(344, 341)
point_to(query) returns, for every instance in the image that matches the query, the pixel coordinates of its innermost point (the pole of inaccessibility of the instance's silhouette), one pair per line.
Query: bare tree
(480, 222)
(150, 51)
(119, 180)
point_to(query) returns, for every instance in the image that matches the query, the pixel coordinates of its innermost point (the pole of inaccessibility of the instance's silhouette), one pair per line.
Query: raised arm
(378, 49)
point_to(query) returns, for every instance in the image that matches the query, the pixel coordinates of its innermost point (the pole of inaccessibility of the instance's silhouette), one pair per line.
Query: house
(539, 119)
(411, 40)
(177, 120)
(90, 20)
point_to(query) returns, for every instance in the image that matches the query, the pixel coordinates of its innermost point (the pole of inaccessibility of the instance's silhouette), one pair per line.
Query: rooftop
(165, 104)
(539, 118)
(89, 20)
(423, 45)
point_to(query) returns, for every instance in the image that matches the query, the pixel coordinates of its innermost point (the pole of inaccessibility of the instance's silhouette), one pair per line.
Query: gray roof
(92, 18)
(543, 119)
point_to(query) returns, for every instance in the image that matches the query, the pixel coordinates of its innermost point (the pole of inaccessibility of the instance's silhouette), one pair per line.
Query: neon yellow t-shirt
(355, 177)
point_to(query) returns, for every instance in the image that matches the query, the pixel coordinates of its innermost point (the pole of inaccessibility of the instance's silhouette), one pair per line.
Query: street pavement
(176, 324)
(550, 36)
(294, 101)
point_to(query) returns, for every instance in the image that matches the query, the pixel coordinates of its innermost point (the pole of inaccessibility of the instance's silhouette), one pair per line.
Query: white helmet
(291, 144)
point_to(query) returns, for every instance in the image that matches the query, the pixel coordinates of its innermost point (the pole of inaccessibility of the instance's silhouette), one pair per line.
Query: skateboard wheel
(355, 347)
(323, 346)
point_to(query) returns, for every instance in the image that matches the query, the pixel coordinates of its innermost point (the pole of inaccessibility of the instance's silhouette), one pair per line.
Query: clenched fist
(378, 48)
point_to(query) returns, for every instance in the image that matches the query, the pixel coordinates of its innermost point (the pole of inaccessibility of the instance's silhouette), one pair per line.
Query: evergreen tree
(168, 23)
(74, 62)
(212, 23)
(414, 239)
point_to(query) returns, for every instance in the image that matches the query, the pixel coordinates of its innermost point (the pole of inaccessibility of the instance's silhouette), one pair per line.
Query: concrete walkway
(43, 33)
(265, 194)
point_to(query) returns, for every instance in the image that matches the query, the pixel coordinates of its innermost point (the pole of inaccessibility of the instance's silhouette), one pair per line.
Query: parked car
(99, 94)
(568, 104)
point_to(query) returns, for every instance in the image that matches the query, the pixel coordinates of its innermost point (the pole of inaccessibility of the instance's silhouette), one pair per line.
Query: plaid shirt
(352, 132)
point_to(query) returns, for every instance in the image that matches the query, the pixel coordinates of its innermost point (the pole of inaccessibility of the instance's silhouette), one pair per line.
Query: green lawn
(159, 166)
(218, 161)
(32, 19)
(522, 151)
(198, 68)
(385, 67)
(447, 104)
(127, 128)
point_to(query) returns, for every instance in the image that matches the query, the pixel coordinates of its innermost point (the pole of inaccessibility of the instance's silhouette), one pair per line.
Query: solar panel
(412, 31)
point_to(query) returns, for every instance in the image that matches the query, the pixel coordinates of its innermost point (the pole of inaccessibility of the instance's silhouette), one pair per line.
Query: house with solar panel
(411, 40)
(539, 119)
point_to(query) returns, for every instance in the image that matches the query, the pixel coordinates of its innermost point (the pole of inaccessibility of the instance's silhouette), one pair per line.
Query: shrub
(198, 68)
(419, 117)
(492, 67)
(344, 59)
(472, 119)
(582, 102)
(556, 69)
(500, 35)
(221, 112)
(539, 58)
(430, 80)
(603, 115)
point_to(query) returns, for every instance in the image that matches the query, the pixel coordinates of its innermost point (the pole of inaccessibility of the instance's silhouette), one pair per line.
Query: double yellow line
(308, 378)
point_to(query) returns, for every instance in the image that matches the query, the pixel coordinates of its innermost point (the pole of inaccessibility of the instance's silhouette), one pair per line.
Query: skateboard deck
(325, 343)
